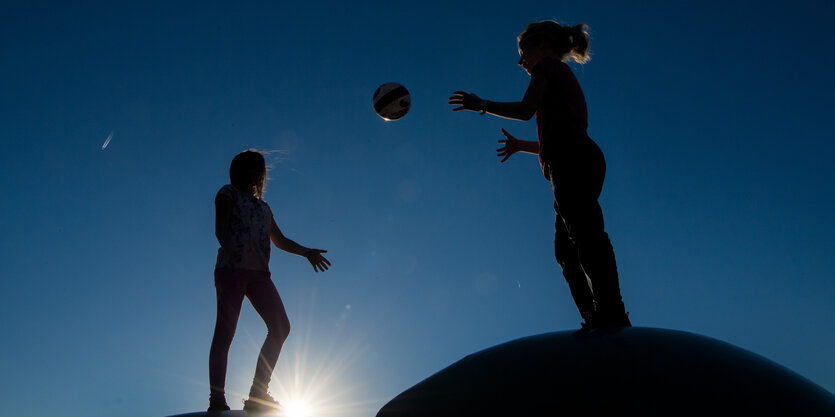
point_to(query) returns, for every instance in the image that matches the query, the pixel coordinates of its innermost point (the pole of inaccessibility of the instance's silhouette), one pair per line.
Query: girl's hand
(467, 101)
(314, 256)
(511, 146)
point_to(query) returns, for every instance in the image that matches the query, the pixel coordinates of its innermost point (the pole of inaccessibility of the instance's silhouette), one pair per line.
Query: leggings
(581, 245)
(232, 286)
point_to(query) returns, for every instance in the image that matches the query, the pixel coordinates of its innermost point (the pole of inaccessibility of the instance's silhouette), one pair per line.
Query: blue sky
(716, 119)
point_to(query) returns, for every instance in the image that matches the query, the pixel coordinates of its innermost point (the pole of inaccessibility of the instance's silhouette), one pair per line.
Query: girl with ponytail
(569, 159)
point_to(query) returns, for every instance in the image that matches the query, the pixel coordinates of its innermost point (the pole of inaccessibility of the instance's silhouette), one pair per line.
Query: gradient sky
(717, 120)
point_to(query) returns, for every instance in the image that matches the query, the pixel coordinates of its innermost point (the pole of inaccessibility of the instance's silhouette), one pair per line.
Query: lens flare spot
(296, 409)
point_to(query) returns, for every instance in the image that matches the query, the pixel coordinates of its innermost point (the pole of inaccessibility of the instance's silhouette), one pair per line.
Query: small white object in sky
(107, 141)
(518, 284)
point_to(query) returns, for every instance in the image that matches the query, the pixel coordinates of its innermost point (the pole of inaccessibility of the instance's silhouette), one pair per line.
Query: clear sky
(717, 120)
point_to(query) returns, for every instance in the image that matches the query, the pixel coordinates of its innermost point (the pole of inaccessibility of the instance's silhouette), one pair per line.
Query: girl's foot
(217, 403)
(262, 403)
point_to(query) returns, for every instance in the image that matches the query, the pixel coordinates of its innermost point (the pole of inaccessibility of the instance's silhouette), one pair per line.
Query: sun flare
(296, 408)
(310, 379)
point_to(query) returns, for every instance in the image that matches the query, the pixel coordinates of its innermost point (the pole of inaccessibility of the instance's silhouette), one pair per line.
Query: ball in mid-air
(392, 101)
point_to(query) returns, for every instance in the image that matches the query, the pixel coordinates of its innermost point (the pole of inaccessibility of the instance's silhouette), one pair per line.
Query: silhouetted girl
(244, 226)
(569, 159)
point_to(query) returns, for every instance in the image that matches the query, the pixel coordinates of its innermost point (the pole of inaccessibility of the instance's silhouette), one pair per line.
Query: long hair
(570, 43)
(248, 172)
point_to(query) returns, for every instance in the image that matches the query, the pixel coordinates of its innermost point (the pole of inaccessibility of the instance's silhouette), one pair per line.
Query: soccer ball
(392, 101)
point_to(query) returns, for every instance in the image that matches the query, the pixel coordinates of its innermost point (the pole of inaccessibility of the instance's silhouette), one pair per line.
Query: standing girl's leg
(230, 287)
(577, 183)
(266, 301)
(567, 257)
(598, 260)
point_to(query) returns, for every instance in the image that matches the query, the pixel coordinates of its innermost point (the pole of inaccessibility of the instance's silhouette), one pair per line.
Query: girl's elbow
(281, 243)
(527, 113)
(521, 116)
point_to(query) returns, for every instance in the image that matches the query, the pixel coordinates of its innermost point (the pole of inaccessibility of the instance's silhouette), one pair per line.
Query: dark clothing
(562, 115)
(576, 168)
(581, 245)
(232, 286)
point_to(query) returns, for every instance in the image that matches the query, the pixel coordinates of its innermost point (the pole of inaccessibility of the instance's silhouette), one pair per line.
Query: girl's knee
(280, 329)
(573, 272)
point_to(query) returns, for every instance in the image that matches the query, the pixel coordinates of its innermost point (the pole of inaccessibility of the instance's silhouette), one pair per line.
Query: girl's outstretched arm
(314, 256)
(517, 110)
(513, 145)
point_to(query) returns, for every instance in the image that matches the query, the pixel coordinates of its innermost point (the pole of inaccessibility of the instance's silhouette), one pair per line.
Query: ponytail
(570, 43)
(579, 37)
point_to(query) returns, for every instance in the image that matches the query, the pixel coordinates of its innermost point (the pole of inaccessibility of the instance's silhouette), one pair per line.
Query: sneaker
(265, 403)
(217, 403)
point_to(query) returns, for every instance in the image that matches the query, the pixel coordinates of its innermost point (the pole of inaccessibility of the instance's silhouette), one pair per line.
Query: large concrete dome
(613, 372)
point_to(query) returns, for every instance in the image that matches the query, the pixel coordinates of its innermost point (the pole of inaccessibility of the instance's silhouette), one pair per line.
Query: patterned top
(249, 232)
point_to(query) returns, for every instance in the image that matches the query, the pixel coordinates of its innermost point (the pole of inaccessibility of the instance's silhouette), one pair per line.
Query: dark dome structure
(630, 371)
(232, 413)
